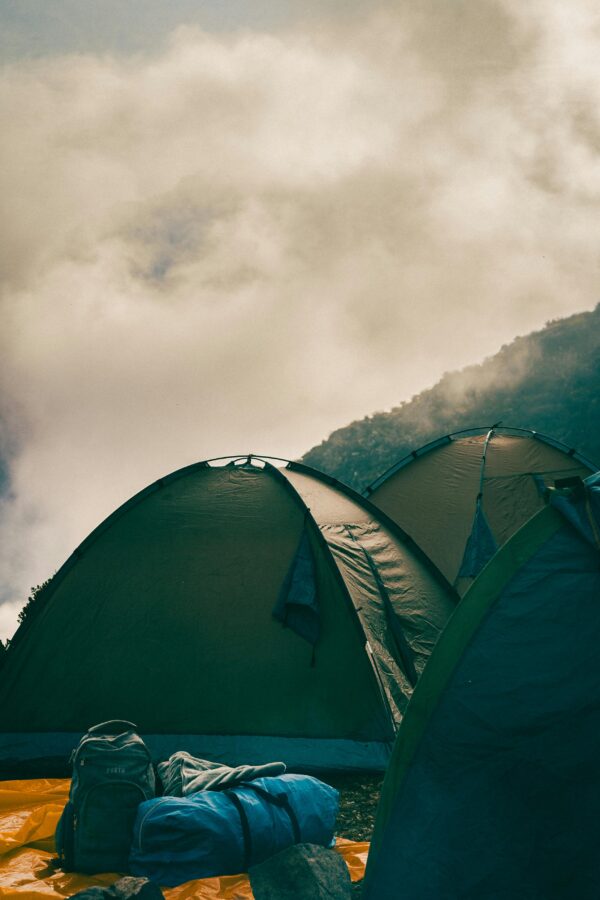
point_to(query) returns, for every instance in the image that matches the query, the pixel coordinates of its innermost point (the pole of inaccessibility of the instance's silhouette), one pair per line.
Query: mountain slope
(548, 380)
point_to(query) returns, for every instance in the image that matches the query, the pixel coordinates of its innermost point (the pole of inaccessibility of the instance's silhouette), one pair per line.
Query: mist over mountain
(548, 381)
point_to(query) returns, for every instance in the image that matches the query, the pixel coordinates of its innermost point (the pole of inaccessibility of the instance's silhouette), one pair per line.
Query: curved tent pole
(132, 501)
(486, 444)
(378, 513)
(478, 500)
(110, 519)
(414, 454)
(446, 655)
(278, 474)
(475, 430)
(238, 457)
(106, 523)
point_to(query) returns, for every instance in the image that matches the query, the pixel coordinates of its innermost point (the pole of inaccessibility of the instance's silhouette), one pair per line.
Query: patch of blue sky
(35, 28)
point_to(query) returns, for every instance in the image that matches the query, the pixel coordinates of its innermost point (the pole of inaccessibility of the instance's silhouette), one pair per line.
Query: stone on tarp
(127, 888)
(304, 870)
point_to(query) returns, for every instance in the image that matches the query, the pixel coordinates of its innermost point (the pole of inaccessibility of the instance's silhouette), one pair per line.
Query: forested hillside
(548, 381)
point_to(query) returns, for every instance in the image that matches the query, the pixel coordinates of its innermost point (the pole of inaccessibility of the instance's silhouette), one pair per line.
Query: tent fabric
(438, 494)
(400, 604)
(186, 575)
(493, 790)
(29, 811)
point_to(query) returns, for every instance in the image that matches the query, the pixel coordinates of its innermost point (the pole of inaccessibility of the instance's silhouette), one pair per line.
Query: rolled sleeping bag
(178, 839)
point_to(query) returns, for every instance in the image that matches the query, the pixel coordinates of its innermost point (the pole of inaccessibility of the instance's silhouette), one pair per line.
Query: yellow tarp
(29, 811)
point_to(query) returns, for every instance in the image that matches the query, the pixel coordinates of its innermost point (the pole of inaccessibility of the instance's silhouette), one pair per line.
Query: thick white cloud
(247, 240)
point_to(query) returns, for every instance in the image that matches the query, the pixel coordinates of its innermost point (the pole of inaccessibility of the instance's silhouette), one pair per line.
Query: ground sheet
(29, 811)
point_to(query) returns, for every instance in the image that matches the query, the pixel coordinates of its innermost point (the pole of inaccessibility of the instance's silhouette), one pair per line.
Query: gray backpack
(112, 775)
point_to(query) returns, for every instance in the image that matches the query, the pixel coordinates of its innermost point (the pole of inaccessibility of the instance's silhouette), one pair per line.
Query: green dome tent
(240, 611)
(493, 789)
(462, 496)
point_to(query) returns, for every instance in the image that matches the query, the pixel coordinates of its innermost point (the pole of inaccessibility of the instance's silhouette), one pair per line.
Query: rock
(130, 888)
(93, 893)
(127, 888)
(305, 870)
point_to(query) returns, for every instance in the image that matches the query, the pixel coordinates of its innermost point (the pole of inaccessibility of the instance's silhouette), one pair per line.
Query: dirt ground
(359, 795)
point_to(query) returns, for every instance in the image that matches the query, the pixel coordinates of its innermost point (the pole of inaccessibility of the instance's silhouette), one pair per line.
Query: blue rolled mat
(178, 839)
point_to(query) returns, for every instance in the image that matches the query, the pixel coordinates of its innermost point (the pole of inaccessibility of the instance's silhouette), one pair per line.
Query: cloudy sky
(234, 226)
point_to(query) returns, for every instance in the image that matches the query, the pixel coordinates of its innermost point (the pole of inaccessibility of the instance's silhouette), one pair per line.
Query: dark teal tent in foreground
(493, 790)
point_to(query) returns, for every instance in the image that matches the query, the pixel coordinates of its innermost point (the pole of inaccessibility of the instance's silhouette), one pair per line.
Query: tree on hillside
(35, 595)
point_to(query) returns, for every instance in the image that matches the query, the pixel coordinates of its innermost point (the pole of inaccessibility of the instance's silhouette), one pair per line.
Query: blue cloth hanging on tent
(582, 508)
(480, 548)
(297, 605)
